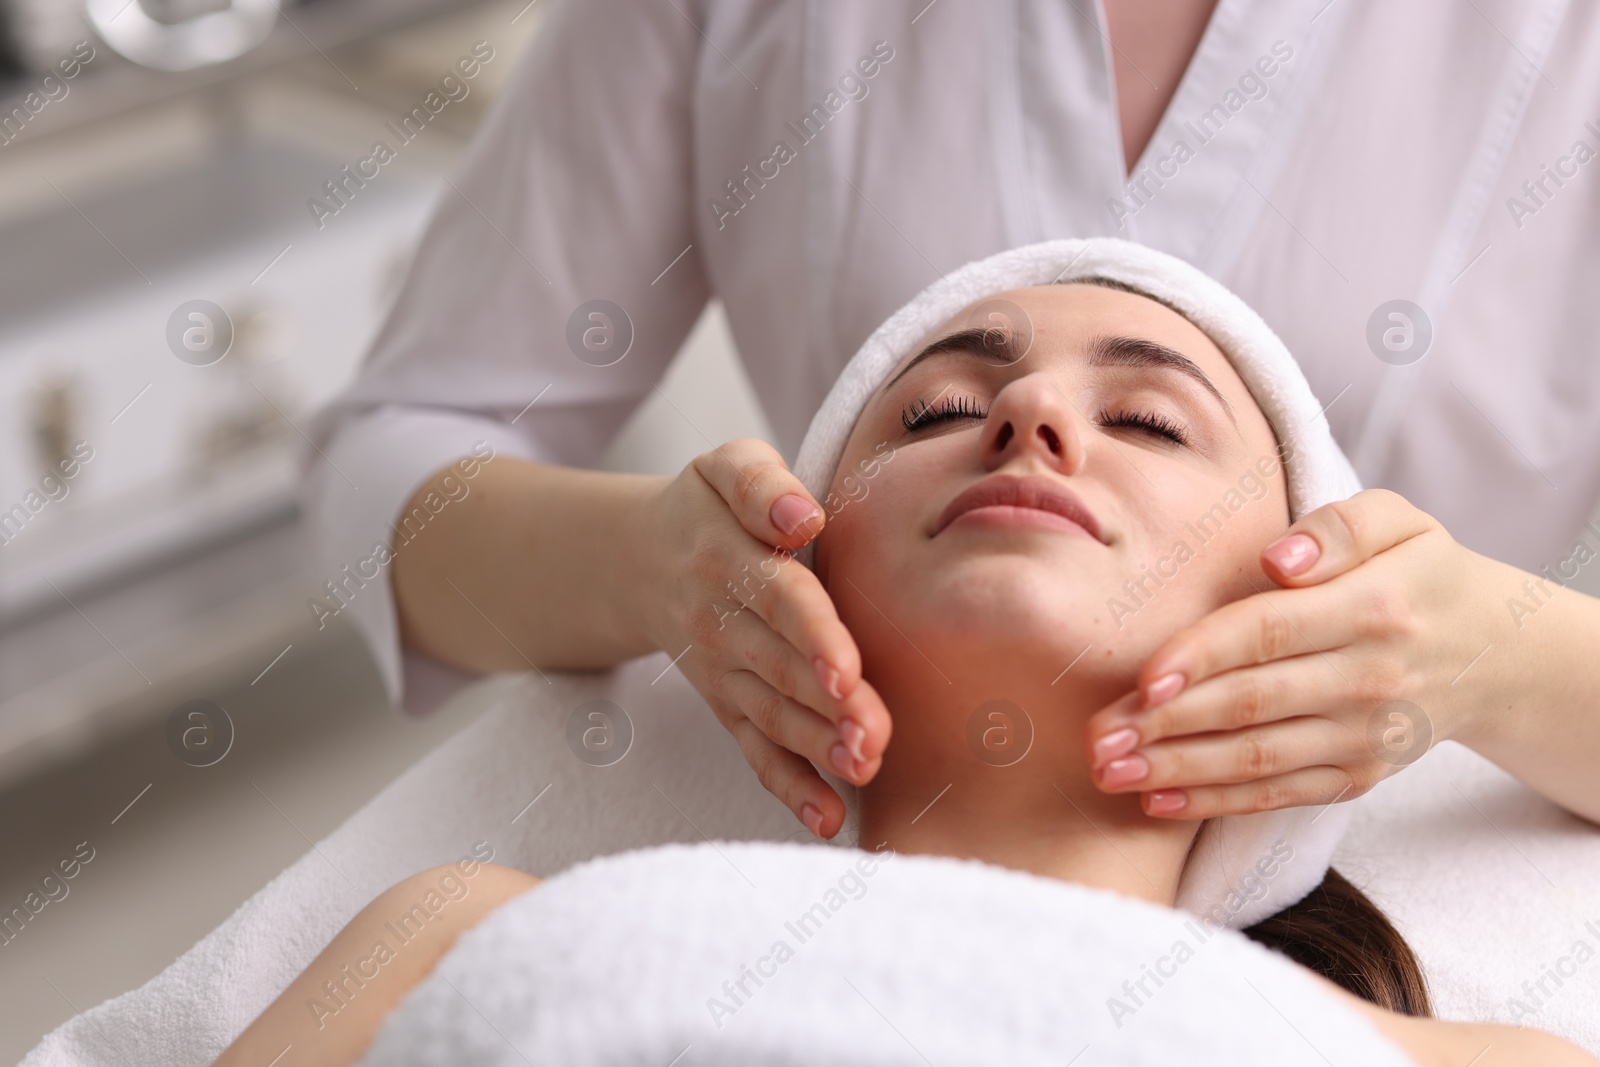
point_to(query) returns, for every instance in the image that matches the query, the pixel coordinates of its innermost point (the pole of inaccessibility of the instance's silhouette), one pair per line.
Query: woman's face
(1125, 497)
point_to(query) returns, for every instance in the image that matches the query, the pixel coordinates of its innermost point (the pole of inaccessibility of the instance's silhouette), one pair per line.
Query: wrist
(1543, 645)
(632, 569)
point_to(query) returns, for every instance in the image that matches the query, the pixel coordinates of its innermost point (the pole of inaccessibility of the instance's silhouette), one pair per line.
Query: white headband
(1243, 868)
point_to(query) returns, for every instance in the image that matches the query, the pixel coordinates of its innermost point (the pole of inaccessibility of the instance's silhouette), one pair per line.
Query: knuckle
(1274, 637)
(1381, 497)
(1385, 614)
(726, 713)
(1379, 681)
(1359, 781)
(1348, 520)
(718, 684)
(766, 711)
(703, 625)
(1164, 720)
(1250, 704)
(1270, 795)
(760, 473)
(705, 560)
(779, 672)
(1257, 759)
(769, 770)
(1176, 765)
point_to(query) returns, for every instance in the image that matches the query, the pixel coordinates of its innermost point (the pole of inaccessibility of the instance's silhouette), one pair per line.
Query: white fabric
(1445, 848)
(1316, 473)
(895, 962)
(1382, 160)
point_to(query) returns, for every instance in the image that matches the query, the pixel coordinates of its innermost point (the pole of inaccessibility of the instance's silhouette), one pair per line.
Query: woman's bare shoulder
(1442, 1043)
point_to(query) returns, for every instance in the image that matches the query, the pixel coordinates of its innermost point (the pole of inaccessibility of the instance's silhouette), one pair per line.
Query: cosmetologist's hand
(1378, 646)
(758, 635)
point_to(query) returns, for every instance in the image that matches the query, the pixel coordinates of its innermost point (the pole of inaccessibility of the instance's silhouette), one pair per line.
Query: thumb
(764, 495)
(1338, 537)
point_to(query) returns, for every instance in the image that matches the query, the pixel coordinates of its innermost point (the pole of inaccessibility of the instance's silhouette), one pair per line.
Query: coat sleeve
(576, 189)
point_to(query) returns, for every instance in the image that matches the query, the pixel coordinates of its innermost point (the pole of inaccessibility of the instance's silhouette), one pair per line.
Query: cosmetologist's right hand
(759, 635)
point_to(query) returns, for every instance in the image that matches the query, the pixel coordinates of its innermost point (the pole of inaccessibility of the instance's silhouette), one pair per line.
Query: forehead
(1065, 316)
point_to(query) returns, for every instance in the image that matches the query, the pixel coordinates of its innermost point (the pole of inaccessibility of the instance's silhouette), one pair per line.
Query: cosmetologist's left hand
(1312, 693)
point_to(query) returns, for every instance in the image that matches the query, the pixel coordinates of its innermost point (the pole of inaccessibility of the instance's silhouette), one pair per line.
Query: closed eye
(1148, 422)
(919, 414)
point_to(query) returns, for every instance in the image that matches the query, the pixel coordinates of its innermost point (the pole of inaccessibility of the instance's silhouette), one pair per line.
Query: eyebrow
(999, 347)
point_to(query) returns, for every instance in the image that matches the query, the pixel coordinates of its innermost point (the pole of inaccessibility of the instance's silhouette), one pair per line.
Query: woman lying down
(1032, 433)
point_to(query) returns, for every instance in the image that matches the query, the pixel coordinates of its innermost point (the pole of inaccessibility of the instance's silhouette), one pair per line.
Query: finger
(1231, 701)
(1226, 759)
(784, 668)
(1277, 624)
(795, 727)
(1340, 536)
(1311, 785)
(795, 606)
(763, 494)
(790, 778)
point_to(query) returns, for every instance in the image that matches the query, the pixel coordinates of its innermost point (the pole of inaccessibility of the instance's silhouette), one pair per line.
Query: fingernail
(828, 677)
(790, 512)
(852, 734)
(1164, 689)
(1167, 802)
(811, 815)
(839, 756)
(1117, 743)
(1124, 771)
(1294, 553)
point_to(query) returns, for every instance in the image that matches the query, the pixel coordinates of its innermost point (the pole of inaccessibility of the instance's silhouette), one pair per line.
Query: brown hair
(1339, 933)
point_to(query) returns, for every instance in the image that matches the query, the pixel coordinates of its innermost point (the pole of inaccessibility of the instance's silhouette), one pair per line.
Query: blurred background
(156, 162)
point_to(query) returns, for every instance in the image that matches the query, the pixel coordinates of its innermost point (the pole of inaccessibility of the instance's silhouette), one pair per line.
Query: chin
(1006, 605)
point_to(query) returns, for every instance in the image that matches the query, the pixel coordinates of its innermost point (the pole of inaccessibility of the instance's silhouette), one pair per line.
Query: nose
(1030, 418)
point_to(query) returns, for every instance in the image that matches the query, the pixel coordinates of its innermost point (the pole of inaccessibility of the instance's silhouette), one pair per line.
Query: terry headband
(1243, 868)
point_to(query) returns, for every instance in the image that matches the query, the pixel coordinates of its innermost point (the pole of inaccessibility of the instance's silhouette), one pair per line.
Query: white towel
(1230, 850)
(1454, 849)
(739, 953)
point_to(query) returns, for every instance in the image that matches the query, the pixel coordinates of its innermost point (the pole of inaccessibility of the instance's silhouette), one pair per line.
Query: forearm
(1544, 724)
(330, 1014)
(534, 566)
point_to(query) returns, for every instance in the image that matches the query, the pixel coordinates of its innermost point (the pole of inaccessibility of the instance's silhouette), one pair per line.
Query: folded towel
(1230, 852)
(1454, 849)
(739, 953)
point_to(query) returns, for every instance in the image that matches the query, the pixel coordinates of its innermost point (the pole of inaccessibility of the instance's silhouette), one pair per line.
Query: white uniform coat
(816, 164)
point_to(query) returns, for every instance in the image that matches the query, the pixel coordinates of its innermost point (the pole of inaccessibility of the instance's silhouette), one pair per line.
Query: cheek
(1206, 547)
(866, 555)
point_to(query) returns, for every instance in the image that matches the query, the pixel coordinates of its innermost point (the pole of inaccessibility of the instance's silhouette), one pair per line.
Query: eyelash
(919, 415)
(925, 415)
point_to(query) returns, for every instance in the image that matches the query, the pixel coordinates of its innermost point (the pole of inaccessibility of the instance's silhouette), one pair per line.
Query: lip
(1003, 492)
